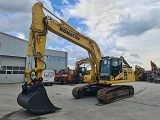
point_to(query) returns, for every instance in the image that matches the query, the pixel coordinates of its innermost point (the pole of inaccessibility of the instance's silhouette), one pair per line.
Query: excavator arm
(36, 47)
(154, 67)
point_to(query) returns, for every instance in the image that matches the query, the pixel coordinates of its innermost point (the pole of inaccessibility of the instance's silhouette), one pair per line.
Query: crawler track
(80, 92)
(105, 94)
(114, 93)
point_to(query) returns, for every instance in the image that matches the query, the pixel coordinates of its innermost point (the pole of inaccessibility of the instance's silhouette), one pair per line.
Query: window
(45, 58)
(3, 67)
(50, 59)
(105, 66)
(51, 74)
(114, 63)
(54, 59)
(15, 68)
(2, 72)
(9, 72)
(46, 74)
(12, 70)
(21, 72)
(58, 59)
(9, 67)
(15, 72)
(22, 68)
(62, 59)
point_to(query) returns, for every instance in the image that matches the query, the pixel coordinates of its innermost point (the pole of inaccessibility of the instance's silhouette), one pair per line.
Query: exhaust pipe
(35, 99)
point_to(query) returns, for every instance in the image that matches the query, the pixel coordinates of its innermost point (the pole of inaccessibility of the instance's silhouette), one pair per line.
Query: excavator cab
(115, 69)
(35, 99)
(110, 67)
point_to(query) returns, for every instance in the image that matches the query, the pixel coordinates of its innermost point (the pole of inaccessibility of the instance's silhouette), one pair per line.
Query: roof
(12, 36)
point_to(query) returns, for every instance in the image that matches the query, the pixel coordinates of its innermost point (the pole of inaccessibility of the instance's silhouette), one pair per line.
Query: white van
(48, 77)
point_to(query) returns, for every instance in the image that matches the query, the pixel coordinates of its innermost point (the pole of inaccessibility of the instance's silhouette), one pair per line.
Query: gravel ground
(144, 105)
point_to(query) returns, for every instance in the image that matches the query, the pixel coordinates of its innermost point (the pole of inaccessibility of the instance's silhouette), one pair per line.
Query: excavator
(154, 75)
(140, 73)
(80, 62)
(105, 70)
(81, 71)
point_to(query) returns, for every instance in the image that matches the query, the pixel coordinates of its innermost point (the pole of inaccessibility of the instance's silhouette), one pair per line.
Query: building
(13, 60)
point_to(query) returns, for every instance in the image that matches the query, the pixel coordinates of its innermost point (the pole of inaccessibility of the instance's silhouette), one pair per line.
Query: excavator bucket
(35, 99)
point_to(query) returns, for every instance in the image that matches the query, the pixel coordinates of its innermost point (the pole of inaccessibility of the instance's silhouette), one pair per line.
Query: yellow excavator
(80, 71)
(105, 70)
(80, 62)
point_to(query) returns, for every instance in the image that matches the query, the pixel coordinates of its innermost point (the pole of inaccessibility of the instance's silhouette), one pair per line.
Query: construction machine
(63, 76)
(110, 70)
(154, 75)
(140, 73)
(80, 71)
(105, 70)
(80, 62)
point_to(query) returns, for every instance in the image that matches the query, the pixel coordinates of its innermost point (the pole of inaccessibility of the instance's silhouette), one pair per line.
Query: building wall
(12, 46)
(12, 58)
(12, 54)
(56, 60)
(12, 69)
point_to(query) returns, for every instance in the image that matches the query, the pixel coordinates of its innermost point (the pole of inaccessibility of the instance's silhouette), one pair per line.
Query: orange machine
(154, 76)
(63, 76)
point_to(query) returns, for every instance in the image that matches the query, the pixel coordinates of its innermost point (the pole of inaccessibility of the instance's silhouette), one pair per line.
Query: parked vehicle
(48, 77)
(63, 76)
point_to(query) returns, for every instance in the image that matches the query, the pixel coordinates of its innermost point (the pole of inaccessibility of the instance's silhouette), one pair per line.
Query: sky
(121, 28)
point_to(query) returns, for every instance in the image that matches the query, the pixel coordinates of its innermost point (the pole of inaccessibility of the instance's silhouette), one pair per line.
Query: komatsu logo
(69, 33)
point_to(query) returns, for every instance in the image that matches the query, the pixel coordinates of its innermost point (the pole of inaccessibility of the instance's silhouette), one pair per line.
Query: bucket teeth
(35, 99)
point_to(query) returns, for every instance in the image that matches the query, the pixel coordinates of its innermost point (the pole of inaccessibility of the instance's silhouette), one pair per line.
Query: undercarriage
(105, 93)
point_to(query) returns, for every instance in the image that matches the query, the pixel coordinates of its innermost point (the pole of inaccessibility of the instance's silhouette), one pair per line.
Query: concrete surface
(144, 105)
